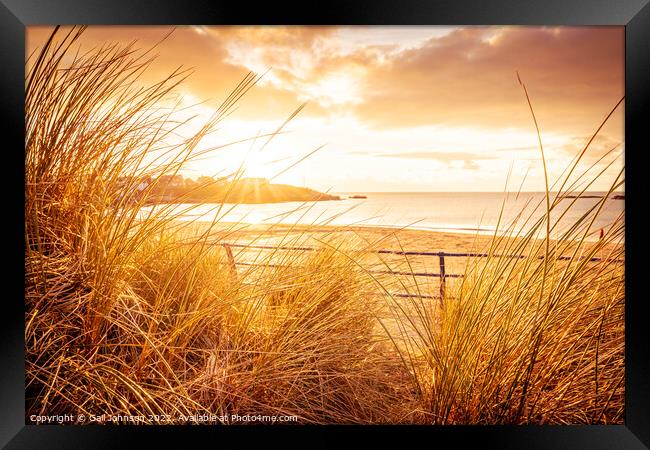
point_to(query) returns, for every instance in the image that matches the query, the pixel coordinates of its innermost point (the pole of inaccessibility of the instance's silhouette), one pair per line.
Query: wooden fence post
(231, 261)
(441, 256)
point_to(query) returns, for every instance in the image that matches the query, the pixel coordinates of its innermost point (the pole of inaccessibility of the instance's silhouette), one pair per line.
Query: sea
(455, 212)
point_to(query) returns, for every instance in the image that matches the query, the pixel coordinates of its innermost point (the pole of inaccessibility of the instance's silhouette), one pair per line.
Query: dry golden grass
(126, 315)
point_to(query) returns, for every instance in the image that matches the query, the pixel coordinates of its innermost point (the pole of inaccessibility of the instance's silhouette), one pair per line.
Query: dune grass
(129, 314)
(534, 332)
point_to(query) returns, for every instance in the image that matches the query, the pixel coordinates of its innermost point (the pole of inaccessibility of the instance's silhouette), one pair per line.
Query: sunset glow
(324, 225)
(396, 108)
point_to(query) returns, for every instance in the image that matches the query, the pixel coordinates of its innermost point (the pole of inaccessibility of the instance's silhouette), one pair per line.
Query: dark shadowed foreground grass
(127, 315)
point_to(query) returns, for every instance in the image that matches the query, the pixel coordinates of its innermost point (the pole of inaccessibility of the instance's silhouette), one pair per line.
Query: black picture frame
(15, 15)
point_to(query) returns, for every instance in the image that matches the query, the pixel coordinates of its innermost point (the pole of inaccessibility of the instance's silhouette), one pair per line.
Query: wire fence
(441, 255)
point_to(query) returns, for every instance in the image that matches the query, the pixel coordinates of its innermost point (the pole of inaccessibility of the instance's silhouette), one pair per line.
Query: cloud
(574, 75)
(308, 63)
(389, 78)
(454, 160)
(465, 76)
(203, 50)
(438, 156)
(461, 76)
(470, 165)
(392, 88)
(184, 47)
(601, 146)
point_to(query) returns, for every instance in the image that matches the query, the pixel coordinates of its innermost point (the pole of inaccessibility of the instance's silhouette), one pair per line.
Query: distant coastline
(176, 189)
(613, 197)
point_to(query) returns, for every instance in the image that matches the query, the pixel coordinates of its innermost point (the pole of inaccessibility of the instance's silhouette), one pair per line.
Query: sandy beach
(398, 239)
(254, 243)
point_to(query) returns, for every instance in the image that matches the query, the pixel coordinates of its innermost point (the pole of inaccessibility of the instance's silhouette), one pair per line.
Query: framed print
(402, 218)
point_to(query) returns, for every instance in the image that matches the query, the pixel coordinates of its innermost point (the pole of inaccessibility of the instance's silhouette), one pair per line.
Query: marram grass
(131, 314)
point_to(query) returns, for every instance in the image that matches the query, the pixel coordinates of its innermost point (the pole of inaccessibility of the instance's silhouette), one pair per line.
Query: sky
(410, 109)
